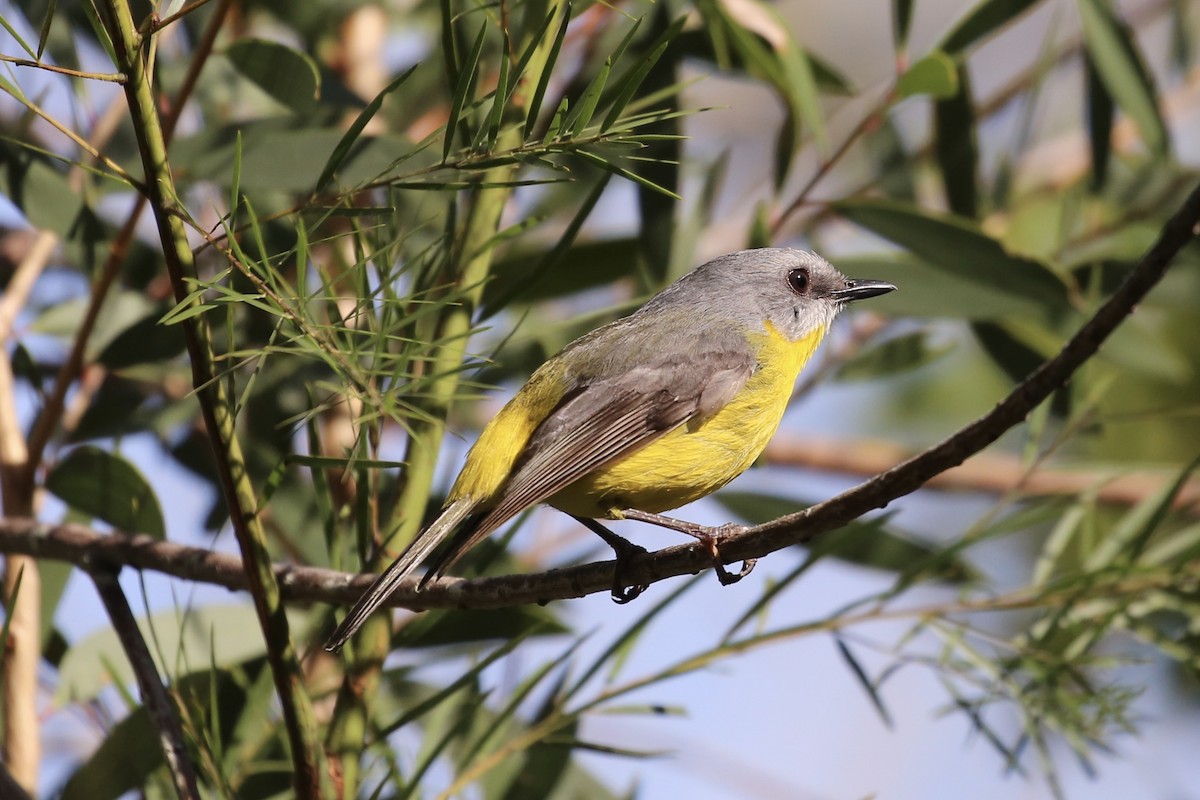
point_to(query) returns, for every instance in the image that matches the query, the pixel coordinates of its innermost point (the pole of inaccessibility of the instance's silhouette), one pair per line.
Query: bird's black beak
(861, 290)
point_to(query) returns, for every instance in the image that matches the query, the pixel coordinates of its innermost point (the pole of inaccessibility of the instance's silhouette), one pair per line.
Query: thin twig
(83, 144)
(114, 77)
(181, 13)
(154, 694)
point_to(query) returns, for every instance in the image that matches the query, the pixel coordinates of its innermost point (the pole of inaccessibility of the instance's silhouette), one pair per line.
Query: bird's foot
(624, 551)
(709, 537)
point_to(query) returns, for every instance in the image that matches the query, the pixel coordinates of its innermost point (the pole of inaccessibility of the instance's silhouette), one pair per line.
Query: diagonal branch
(78, 544)
(154, 694)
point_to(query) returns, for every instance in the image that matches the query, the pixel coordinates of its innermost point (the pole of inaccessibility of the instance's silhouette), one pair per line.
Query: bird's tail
(379, 591)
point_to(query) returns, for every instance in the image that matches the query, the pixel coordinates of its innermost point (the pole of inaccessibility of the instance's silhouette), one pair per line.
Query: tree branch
(988, 473)
(154, 694)
(78, 544)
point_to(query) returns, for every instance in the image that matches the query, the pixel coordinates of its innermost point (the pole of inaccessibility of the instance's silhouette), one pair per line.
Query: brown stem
(154, 694)
(989, 473)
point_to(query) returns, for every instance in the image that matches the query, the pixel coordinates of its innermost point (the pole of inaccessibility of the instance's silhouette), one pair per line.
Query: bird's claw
(622, 594)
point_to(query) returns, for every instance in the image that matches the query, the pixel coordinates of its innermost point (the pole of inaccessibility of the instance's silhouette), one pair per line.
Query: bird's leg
(710, 538)
(624, 550)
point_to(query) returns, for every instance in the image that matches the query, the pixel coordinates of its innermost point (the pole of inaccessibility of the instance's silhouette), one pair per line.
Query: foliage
(372, 262)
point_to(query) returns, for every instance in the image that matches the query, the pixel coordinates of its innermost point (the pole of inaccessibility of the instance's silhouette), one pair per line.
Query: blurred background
(377, 278)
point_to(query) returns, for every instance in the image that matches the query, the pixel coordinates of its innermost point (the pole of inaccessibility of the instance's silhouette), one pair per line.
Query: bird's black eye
(798, 280)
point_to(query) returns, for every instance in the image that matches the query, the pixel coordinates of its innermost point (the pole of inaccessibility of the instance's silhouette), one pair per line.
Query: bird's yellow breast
(695, 460)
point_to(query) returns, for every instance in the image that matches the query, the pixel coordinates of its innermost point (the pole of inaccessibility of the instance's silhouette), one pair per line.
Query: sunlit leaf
(1115, 55)
(935, 75)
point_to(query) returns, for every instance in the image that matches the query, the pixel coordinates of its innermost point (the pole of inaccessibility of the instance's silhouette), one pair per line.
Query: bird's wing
(605, 419)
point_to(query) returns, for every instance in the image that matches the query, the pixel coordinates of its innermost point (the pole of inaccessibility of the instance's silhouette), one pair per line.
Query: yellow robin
(643, 415)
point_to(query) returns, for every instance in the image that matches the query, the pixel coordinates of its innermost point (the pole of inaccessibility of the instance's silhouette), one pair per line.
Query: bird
(642, 415)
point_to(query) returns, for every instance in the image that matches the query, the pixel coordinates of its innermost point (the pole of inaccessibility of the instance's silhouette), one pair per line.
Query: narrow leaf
(539, 94)
(1100, 110)
(1111, 47)
(17, 37)
(984, 19)
(466, 79)
(1128, 539)
(44, 34)
(901, 23)
(861, 674)
(958, 246)
(628, 85)
(957, 151)
(339, 153)
(895, 356)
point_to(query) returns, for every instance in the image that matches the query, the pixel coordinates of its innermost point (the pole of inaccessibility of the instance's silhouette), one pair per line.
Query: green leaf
(39, 190)
(985, 19)
(339, 153)
(462, 90)
(935, 75)
(581, 116)
(957, 151)
(146, 341)
(527, 277)
(1101, 111)
(17, 37)
(106, 486)
(932, 292)
(960, 248)
(864, 680)
(1111, 47)
(539, 94)
(44, 34)
(1128, 539)
(769, 49)
(288, 75)
(1011, 353)
(892, 357)
(901, 22)
(445, 627)
(122, 764)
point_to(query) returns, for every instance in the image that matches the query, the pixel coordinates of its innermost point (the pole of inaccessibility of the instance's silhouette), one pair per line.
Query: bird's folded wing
(604, 420)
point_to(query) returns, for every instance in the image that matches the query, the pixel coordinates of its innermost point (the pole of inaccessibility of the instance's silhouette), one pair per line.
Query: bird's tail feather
(379, 591)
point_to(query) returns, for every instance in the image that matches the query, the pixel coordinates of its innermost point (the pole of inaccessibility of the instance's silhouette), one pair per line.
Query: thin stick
(154, 694)
(114, 77)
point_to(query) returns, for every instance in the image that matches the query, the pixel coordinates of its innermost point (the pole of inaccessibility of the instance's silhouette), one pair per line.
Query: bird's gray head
(796, 291)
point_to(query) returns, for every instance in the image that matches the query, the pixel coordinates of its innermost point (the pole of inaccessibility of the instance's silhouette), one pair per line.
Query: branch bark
(78, 544)
(989, 473)
(154, 694)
